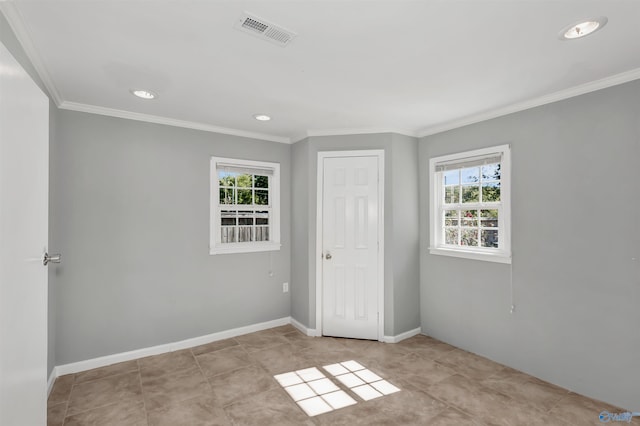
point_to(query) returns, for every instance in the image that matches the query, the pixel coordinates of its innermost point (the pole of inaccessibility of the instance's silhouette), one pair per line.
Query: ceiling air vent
(265, 30)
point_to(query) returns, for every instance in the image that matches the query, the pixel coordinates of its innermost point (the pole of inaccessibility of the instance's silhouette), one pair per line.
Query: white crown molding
(360, 131)
(16, 22)
(14, 18)
(295, 138)
(111, 112)
(582, 89)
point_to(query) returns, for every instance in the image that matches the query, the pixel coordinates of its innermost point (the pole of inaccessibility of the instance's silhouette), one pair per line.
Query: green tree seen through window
(249, 189)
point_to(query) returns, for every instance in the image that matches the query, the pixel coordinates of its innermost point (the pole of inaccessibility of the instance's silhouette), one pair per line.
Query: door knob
(53, 258)
(327, 256)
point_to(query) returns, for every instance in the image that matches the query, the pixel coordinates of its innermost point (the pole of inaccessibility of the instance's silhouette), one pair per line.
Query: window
(470, 208)
(245, 206)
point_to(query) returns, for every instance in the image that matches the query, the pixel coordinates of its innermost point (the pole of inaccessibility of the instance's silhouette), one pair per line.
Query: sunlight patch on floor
(316, 393)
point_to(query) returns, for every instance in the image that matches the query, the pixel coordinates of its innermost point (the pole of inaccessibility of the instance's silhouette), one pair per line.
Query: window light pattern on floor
(316, 394)
(313, 391)
(363, 382)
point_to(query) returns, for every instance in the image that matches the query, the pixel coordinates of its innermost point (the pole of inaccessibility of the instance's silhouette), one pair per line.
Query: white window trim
(502, 255)
(216, 247)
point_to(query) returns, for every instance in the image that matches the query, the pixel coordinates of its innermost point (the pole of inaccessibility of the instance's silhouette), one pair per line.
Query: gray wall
(300, 232)
(8, 38)
(401, 235)
(129, 205)
(576, 248)
(405, 242)
(130, 214)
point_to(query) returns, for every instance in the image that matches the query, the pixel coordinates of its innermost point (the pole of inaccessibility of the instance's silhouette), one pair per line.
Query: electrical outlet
(285, 287)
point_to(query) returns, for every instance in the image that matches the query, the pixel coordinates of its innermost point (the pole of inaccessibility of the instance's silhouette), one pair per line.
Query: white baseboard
(302, 328)
(386, 339)
(52, 378)
(103, 361)
(402, 336)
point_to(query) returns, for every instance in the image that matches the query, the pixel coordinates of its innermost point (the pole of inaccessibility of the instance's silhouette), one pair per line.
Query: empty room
(306, 212)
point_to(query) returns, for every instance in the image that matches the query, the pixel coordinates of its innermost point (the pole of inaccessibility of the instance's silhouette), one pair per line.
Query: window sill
(474, 255)
(244, 248)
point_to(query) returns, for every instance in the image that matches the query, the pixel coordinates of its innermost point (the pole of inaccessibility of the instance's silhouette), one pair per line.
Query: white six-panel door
(350, 243)
(24, 189)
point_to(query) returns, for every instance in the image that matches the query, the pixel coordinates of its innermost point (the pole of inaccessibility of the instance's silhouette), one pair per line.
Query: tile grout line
(100, 406)
(144, 402)
(473, 416)
(529, 379)
(525, 380)
(107, 376)
(91, 409)
(180, 371)
(204, 376)
(467, 413)
(252, 363)
(206, 379)
(446, 403)
(66, 409)
(496, 373)
(557, 401)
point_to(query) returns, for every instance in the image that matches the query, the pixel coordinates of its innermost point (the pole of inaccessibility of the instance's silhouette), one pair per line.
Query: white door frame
(379, 153)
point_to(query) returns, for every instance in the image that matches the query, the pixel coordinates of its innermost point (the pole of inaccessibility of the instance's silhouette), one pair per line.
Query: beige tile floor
(230, 382)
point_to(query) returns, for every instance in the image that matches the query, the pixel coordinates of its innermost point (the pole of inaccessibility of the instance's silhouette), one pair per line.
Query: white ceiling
(413, 67)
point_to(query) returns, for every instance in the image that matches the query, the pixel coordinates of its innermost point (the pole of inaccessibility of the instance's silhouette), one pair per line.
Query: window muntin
(245, 208)
(469, 204)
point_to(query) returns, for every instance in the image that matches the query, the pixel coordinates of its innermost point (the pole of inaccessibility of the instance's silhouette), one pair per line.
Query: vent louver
(265, 30)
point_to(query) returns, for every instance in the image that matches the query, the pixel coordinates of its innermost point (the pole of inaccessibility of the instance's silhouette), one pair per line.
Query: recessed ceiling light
(143, 94)
(583, 28)
(262, 117)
